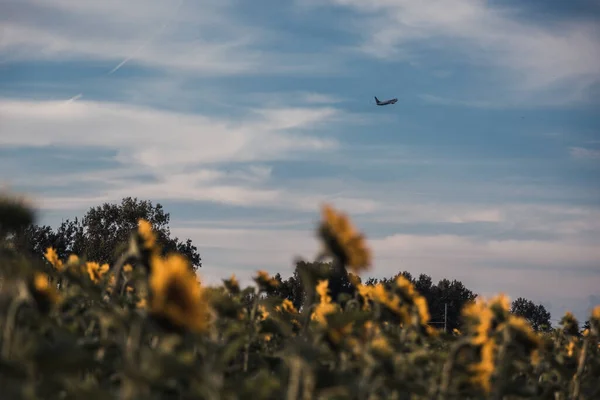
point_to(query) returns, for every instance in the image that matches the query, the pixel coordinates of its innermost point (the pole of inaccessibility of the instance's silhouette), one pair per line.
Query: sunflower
(569, 324)
(265, 282)
(342, 241)
(483, 370)
(176, 296)
(480, 319)
(147, 235)
(232, 284)
(52, 257)
(45, 295)
(96, 271)
(286, 306)
(524, 335)
(325, 305)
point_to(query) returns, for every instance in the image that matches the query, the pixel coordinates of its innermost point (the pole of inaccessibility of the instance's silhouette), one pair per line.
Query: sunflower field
(146, 327)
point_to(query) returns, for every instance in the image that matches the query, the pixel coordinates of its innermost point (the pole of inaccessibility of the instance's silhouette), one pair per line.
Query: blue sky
(242, 118)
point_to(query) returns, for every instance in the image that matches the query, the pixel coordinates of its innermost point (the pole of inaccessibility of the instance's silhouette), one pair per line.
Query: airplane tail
(377, 100)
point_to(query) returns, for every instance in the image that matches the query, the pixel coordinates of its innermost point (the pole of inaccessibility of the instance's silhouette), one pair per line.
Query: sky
(243, 118)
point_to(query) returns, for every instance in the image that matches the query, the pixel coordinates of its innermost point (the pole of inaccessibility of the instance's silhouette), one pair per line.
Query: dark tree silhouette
(535, 314)
(293, 288)
(451, 294)
(586, 325)
(103, 233)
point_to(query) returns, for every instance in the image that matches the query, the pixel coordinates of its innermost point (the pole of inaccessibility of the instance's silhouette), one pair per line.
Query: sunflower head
(96, 271)
(53, 259)
(286, 306)
(478, 318)
(44, 294)
(176, 298)
(569, 324)
(595, 320)
(524, 334)
(325, 306)
(232, 284)
(265, 282)
(342, 241)
(146, 234)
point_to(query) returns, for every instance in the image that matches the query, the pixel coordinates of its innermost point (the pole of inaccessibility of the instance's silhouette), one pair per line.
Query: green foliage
(70, 329)
(103, 232)
(535, 314)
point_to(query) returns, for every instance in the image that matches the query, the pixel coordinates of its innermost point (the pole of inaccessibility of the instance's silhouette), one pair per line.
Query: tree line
(103, 233)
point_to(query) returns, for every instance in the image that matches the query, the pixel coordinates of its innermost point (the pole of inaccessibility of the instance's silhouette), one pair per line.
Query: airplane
(386, 102)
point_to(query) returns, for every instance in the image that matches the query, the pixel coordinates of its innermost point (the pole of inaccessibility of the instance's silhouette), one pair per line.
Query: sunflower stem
(580, 367)
(501, 368)
(252, 331)
(10, 322)
(448, 369)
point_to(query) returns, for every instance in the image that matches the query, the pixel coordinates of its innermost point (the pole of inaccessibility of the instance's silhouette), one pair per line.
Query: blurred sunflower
(595, 321)
(569, 324)
(483, 370)
(147, 235)
(232, 284)
(264, 313)
(96, 271)
(176, 295)
(265, 282)
(342, 241)
(287, 306)
(52, 257)
(45, 295)
(325, 306)
(524, 335)
(479, 321)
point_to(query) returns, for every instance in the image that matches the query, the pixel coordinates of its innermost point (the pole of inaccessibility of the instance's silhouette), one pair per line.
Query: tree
(290, 289)
(447, 298)
(451, 294)
(586, 326)
(537, 315)
(103, 233)
(293, 288)
(387, 281)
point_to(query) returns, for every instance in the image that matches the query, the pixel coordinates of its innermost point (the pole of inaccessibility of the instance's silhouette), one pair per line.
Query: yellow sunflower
(342, 241)
(45, 295)
(176, 295)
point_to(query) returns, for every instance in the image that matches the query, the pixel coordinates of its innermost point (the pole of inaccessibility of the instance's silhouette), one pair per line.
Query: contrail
(150, 39)
(72, 99)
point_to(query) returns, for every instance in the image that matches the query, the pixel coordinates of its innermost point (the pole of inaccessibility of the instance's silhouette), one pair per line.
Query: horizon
(241, 120)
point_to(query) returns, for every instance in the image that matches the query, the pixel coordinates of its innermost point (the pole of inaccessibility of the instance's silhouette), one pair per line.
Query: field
(147, 328)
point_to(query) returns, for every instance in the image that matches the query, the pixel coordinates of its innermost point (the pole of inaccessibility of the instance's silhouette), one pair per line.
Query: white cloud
(188, 156)
(320, 98)
(522, 101)
(584, 153)
(159, 139)
(416, 249)
(485, 34)
(198, 37)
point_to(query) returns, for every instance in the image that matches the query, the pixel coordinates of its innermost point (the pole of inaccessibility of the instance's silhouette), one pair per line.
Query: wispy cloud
(320, 98)
(187, 156)
(521, 102)
(565, 55)
(584, 153)
(163, 139)
(195, 37)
